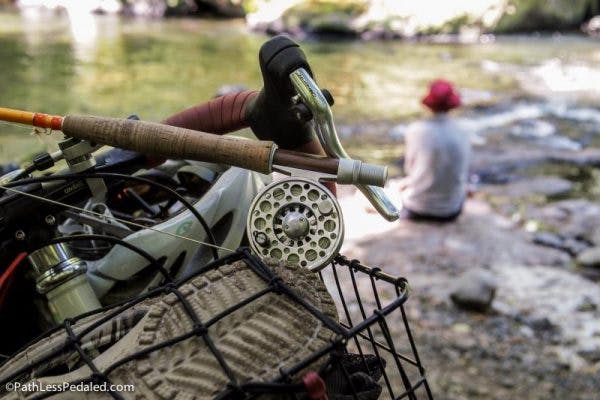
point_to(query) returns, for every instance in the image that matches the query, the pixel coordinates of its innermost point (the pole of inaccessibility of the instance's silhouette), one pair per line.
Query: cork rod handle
(171, 142)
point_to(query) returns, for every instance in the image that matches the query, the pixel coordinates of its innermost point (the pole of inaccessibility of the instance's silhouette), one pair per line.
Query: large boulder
(592, 27)
(396, 18)
(222, 8)
(159, 8)
(306, 16)
(554, 15)
(373, 18)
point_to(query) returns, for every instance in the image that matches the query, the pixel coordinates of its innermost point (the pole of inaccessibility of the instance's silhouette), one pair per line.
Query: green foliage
(249, 6)
(348, 7)
(451, 26)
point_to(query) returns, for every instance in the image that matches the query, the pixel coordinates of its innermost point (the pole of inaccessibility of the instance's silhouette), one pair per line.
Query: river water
(111, 66)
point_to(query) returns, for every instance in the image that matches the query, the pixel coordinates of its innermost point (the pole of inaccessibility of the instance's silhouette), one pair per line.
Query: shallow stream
(540, 90)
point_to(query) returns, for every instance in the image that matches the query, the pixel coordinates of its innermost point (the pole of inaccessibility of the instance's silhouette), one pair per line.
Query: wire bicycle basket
(241, 328)
(371, 307)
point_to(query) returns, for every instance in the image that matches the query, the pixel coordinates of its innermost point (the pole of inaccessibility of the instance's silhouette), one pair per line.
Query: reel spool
(297, 220)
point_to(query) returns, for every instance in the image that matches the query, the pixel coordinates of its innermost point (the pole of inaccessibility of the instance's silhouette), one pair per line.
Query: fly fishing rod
(174, 142)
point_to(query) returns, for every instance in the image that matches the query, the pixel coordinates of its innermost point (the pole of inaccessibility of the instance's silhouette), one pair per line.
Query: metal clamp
(54, 264)
(79, 158)
(323, 126)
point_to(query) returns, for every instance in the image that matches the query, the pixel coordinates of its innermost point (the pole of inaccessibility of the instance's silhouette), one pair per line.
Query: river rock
(589, 258)
(586, 158)
(587, 305)
(592, 27)
(571, 245)
(577, 218)
(474, 290)
(542, 326)
(550, 186)
(590, 355)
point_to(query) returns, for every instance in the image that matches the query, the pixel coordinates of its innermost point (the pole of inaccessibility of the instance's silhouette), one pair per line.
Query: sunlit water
(105, 65)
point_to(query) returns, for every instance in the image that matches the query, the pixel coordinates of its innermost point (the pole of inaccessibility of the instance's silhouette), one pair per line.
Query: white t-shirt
(438, 153)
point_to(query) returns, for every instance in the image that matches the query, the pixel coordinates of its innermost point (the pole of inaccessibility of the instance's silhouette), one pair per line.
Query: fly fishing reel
(297, 220)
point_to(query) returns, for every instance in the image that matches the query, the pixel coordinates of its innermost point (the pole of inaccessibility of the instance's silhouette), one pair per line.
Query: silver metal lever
(323, 126)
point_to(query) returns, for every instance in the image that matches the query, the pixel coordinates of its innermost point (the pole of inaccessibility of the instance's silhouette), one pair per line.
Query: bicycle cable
(123, 221)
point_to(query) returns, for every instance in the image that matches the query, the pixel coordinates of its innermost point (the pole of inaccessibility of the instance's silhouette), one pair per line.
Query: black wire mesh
(371, 308)
(372, 354)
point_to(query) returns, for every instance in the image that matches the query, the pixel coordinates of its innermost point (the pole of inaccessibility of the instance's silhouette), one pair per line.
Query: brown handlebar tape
(221, 115)
(170, 141)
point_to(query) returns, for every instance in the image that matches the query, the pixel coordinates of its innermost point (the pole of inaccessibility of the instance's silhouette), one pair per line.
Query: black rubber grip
(270, 113)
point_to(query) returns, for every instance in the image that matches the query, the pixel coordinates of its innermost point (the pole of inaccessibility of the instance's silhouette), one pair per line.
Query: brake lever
(323, 126)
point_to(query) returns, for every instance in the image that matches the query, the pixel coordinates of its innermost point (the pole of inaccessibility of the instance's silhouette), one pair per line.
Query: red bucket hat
(442, 96)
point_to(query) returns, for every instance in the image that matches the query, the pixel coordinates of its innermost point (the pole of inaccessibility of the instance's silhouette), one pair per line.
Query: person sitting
(438, 152)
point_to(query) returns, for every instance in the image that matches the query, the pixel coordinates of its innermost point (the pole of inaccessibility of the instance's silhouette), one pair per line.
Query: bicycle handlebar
(290, 109)
(174, 142)
(268, 112)
(221, 115)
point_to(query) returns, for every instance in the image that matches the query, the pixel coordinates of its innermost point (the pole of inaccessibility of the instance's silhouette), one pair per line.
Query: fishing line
(102, 216)
(35, 131)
